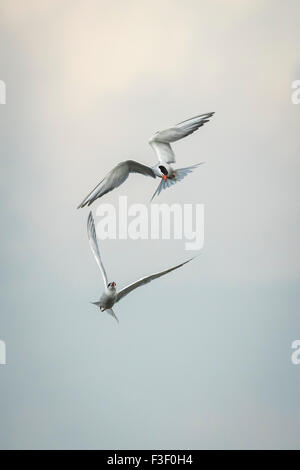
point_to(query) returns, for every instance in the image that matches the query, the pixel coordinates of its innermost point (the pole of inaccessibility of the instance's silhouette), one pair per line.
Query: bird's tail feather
(112, 313)
(107, 310)
(180, 173)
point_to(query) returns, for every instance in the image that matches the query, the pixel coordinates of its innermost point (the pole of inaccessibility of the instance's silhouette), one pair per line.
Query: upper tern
(110, 295)
(160, 143)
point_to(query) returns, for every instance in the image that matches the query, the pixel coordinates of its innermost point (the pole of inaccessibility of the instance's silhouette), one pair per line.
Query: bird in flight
(160, 143)
(110, 295)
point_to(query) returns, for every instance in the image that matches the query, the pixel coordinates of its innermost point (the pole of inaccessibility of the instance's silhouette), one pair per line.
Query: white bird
(160, 143)
(110, 295)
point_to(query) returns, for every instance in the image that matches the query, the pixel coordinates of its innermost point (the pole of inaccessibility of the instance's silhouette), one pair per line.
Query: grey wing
(94, 245)
(163, 150)
(180, 173)
(115, 178)
(160, 142)
(145, 280)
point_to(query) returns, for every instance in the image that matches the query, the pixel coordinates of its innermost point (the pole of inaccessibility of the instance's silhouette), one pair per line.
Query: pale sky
(201, 358)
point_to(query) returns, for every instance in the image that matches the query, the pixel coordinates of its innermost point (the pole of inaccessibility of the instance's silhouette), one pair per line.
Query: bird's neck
(111, 292)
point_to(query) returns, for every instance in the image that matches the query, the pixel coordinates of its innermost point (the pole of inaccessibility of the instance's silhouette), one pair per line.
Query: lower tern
(160, 143)
(110, 295)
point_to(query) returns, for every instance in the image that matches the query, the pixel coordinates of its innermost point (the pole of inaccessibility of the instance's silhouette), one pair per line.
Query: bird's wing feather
(115, 178)
(94, 246)
(180, 174)
(163, 150)
(160, 142)
(145, 280)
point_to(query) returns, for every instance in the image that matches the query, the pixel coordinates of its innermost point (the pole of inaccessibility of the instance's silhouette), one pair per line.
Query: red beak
(164, 177)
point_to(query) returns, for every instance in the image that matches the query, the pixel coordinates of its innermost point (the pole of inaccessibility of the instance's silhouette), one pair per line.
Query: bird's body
(111, 296)
(108, 298)
(164, 169)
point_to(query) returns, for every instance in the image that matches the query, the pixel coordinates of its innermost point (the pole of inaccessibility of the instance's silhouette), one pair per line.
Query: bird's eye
(163, 170)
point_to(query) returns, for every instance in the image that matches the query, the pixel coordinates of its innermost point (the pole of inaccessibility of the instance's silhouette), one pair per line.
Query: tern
(110, 295)
(160, 143)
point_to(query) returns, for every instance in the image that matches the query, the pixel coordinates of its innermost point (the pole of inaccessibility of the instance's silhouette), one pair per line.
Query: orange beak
(164, 177)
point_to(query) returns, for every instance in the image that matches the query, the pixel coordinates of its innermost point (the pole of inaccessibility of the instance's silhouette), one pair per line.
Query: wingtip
(81, 205)
(90, 222)
(191, 259)
(194, 257)
(86, 202)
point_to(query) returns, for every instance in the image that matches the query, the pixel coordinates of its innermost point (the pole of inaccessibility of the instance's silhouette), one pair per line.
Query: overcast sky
(202, 357)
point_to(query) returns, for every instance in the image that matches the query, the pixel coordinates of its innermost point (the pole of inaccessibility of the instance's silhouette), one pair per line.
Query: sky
(201, 358)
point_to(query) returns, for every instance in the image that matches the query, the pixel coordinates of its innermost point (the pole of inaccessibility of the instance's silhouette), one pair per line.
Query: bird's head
(111, 286)
(163, 172)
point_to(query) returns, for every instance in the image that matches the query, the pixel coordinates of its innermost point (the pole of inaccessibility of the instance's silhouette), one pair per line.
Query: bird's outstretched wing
(115, 178)
(180, 173)
(145, 280)
(160, 142)
(94, 245)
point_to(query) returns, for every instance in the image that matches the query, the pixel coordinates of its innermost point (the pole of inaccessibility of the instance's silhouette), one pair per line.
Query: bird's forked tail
(180, 173)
